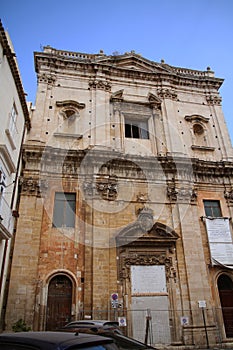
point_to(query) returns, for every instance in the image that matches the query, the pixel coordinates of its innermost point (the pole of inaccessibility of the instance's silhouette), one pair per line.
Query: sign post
(114, 303)
(202, 306)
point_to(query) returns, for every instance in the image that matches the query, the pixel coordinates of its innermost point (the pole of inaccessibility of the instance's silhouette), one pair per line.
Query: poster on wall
(220, 241)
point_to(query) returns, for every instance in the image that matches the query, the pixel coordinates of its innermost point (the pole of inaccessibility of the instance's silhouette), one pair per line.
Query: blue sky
(185, 33)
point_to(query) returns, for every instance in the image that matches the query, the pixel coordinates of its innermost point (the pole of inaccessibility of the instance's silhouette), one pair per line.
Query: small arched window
(198, 129)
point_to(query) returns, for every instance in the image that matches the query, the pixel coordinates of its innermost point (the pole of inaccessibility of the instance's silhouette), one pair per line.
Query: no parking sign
(114, 300)
(122, 321)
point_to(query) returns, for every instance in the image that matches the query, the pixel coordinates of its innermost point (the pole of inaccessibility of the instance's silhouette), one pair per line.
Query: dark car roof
(53, 340)
(122, 341)
(95, 322)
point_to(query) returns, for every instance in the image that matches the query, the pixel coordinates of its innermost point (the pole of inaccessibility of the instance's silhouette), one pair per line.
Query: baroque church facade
(125, 200)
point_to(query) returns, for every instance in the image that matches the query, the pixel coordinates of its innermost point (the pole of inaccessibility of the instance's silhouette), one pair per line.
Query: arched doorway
(59, 302)
(225, 288)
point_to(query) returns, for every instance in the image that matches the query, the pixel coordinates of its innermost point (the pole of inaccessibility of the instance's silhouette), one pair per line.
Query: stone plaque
(148, 279)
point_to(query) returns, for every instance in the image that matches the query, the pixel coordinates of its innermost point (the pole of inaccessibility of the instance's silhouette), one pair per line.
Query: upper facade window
(136, 129)
(64, 209)
(12, 131)
(212, 208)
(12, 122)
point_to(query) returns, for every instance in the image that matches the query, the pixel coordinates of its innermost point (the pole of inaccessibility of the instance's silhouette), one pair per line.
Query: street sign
(122, 321)
(202, 303)
(114, 300)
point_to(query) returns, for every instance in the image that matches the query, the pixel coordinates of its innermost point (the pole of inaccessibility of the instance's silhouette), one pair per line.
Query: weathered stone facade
(140, 145)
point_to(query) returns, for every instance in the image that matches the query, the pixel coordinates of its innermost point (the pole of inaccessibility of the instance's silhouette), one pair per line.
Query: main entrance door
(150, 309)
(225, 287)
(59, 302)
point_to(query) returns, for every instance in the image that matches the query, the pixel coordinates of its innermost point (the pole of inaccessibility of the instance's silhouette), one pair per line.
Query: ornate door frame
(144, 243)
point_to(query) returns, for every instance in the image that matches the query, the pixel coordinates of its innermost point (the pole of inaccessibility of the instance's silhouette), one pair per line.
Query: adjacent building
(125, 200)
(14, 120)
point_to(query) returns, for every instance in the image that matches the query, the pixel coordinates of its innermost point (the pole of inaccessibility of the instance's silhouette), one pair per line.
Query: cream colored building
(126, 200)
(14, 118)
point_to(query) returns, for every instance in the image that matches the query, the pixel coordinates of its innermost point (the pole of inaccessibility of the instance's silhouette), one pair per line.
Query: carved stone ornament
(229, 196)
(89, 188)
(167, 93)
(213, 100)
(30, 186)
(100, 84)
(44, 185)
(145, 260)
(142, 197)
(181, 194)
(187, 193)
(46, 78)
(145, 218)
(117, 96)
(154, 100)
(107, 187)
(171, 191)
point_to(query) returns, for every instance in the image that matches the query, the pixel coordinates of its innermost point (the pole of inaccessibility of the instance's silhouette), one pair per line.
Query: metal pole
(203, 315)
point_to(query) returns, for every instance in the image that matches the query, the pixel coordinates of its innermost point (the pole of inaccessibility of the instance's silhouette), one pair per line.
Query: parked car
(94, 324)
(122, 342)
(54, 341)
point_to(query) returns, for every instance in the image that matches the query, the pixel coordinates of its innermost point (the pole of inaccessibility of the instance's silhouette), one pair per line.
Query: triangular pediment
(136, 233)
(133, 62)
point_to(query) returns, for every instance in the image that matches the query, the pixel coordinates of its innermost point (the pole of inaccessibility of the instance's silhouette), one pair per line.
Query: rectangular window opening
(136, 129)
(64, 209)
(212, 208)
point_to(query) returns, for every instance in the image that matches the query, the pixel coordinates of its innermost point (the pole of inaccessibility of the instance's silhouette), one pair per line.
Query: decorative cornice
(203, 148)
(70, 103)
(121, 66)
(53, 159)
(196, 118)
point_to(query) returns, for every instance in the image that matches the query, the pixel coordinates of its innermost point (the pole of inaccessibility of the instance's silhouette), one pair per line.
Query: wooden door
(226, 297)
(59, 302)
(225, 287)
